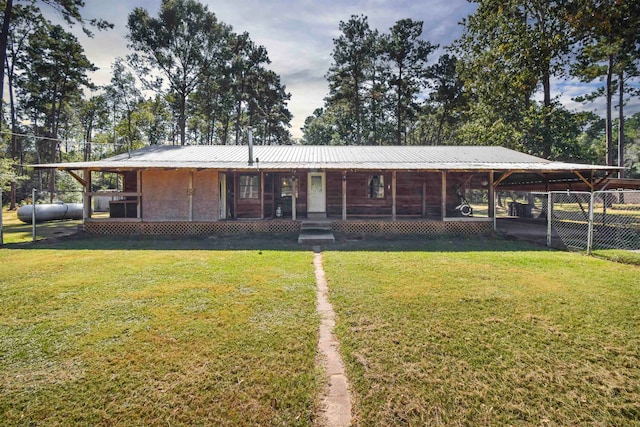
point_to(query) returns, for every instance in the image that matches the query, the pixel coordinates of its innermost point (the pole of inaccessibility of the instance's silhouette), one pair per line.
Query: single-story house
(230, 189)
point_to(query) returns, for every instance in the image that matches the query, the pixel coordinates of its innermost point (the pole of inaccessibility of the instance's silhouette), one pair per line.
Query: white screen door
(316, 197)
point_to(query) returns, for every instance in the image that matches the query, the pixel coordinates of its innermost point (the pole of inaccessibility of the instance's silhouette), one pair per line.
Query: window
(249, 187)
(285, 187)
(375, 187)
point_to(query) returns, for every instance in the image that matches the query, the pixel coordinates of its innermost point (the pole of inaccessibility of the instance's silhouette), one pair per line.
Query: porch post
(262, 196)
(294, 197)
(393, 196)
(190, 193)
(139, 190)
(424, 199)
(344, 196)
(86, 207)
(235, 195)
(443, 194)
(492, 201)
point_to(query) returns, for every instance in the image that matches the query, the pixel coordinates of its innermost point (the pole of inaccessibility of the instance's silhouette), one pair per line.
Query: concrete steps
(316, 232)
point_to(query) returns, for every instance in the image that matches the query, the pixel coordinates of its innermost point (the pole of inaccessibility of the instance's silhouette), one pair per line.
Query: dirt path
(336, 410)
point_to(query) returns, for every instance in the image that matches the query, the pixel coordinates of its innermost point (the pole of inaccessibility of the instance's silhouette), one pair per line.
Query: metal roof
(298, 157)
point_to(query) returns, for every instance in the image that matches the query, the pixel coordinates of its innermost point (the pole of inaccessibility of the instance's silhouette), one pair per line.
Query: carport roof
(296, 157)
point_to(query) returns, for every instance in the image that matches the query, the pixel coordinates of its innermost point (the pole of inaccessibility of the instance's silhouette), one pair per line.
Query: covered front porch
(189, 195)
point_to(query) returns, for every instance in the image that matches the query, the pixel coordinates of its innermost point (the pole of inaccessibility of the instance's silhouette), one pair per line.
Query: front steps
(316, 232)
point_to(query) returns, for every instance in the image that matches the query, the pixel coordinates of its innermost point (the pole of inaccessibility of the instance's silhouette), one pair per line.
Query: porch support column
(393, 196)
(262, 195)
(86, 207)
(235, 195)
(344, 196)
(492, 201)
(443, 194)
(139, 197)
(424, 199)
(190, 193)
(294, 197)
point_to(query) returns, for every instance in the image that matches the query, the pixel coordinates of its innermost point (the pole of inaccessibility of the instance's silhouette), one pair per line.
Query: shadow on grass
(282, 242)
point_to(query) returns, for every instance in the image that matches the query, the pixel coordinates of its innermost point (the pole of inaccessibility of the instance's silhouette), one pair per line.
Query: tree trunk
(16, 153)
(547, 141)
(4, 36)
(182, 121)
(621, 123)
(608, 125)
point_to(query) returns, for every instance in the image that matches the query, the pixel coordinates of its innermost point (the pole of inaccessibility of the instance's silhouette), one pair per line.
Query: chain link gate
(599, 220)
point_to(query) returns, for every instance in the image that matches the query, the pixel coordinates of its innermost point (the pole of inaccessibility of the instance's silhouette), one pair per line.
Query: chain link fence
(599, 220)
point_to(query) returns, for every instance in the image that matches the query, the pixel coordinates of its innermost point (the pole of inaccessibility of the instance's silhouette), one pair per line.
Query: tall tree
(24, 22)
(448, 96)
(93, 114)
(125, 97)
(247, 62)
(55, 72)
(354, 54)
(607, 33)
(180, 44)
(508, 49)
(68, 9)
(408, 58)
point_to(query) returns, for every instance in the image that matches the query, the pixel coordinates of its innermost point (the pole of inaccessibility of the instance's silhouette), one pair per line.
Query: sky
(298, 36)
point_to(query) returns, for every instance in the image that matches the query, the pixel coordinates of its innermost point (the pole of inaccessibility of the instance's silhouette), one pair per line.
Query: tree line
(190, 79)
(493, 85)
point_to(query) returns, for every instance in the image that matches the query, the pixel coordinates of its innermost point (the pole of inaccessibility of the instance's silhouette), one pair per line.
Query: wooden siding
(409, 194)
(247, 208)
(358, 203)
(413, 190)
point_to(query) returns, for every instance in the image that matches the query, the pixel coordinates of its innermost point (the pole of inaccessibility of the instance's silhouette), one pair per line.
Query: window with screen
(375, 187)
(249, 186)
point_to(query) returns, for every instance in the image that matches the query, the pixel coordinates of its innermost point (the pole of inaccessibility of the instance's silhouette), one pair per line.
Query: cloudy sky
(298, 35)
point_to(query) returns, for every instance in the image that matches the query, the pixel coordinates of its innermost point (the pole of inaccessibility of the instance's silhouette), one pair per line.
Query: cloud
(298, 35)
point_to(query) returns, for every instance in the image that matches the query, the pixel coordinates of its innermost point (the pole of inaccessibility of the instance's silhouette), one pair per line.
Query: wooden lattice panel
(411, 227)
(191, 228)
(116, 228)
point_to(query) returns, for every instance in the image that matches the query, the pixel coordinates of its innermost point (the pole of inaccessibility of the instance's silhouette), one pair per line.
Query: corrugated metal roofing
(328, 158)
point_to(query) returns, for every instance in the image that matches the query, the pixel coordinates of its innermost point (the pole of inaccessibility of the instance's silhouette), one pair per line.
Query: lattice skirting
(412, 227)
(192, 228)
(256, 227)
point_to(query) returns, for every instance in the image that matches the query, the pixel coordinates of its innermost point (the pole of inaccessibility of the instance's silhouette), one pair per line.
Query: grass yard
(156, 337)
(16, 231)
(499, 335)
(223, 331)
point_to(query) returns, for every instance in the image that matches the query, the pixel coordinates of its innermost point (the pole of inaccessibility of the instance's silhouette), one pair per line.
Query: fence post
(590, 229)
(33, 214)
(549, 217)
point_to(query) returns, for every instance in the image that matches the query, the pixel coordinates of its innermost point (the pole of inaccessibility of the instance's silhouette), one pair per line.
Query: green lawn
(498, 337)
(16, 231)
(223, 331)
(156, 337)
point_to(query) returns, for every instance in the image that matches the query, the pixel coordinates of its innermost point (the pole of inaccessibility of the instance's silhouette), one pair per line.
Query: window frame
(376, 191)
(248, 187)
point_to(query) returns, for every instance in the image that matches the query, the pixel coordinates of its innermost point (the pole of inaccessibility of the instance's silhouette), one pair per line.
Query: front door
(316, 195)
